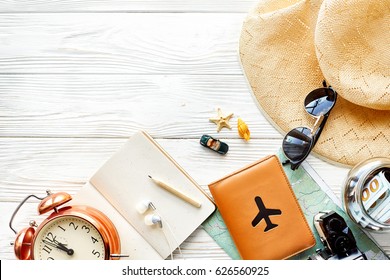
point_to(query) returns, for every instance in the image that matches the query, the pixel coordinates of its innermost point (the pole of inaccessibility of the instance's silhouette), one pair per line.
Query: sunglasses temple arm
(292, 164)
(317, 133)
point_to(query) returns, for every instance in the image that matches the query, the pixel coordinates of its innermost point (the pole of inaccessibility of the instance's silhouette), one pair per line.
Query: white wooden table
(77, 78)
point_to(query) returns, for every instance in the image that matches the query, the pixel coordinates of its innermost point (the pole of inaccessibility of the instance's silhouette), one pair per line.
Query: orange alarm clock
(69, 233)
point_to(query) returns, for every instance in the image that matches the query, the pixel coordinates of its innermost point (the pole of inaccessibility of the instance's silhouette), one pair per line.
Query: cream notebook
(122, 183)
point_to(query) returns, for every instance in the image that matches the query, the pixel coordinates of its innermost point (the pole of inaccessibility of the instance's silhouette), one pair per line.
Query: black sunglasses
(298, 143)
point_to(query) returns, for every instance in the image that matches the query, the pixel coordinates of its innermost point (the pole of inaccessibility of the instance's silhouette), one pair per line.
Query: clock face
(68, 238)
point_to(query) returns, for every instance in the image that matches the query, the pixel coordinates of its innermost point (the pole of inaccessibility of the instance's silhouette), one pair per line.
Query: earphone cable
(173, 236)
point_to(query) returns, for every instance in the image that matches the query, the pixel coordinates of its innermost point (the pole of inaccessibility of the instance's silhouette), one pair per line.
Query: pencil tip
(150, 176)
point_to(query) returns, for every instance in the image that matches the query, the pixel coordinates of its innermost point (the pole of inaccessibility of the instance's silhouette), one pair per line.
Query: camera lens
(342, 244)
(335, 224)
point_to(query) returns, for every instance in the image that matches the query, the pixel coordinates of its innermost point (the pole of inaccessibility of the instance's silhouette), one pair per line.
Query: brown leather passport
(261, 212)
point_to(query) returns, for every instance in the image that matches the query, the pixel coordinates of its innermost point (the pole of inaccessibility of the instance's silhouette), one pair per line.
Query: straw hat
(287, 48)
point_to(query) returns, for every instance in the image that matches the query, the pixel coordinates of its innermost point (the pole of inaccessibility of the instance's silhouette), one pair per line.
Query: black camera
(337, 238)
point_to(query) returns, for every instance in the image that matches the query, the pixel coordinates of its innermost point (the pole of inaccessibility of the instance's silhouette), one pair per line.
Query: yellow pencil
(176, 192)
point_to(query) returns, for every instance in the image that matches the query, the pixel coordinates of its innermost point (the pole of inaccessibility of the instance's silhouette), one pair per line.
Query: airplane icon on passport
(264, 213)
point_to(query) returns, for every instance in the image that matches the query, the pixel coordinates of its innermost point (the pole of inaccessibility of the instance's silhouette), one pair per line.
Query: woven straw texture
(352, 42)
(279, 44)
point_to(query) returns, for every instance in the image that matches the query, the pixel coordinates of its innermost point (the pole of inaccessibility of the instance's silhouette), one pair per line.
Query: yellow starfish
(221, 120)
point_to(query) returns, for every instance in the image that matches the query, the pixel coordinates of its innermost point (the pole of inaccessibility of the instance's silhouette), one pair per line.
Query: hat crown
(352, 46)
(287, 49)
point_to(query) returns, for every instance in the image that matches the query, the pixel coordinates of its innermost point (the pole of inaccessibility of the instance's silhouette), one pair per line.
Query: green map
(313, 197)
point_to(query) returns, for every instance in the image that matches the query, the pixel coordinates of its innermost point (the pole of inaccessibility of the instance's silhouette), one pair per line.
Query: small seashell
(243, 130)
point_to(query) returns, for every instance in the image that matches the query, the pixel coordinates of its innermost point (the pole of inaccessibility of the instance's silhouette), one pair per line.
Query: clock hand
(60, 246)
(63, 247)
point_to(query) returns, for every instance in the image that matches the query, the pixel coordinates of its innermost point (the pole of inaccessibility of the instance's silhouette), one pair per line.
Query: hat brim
(278, 57)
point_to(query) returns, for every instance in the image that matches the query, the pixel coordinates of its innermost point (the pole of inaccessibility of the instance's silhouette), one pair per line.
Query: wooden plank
(36, 164)
(29, 165)
(169, 106)
(141, 43)
(125, 6)
(32, 165)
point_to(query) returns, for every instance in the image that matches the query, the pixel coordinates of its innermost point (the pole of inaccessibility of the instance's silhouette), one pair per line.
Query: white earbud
(144, 206)
(152, 219)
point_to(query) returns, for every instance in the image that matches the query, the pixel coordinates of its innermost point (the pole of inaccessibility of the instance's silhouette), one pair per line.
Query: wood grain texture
(145, 6)
(177, 106)
(137, 43)
(28, 164)
(77, 77)
(32, 165)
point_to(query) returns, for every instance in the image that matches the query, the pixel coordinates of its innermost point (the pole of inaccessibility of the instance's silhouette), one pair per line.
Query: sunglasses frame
(316, 130)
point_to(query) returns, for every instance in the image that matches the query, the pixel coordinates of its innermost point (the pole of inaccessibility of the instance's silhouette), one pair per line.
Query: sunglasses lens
(297, 143)
(320, 101)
